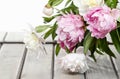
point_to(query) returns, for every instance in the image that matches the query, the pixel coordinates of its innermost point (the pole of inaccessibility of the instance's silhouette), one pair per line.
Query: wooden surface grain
(16, 62)
(2, 36)
(38, 68)
(102, 69)
(116, 62)
(10, 58)
(14, 37)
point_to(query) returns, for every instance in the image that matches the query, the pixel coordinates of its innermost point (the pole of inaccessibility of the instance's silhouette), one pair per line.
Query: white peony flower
(33, 42)
(48, 10)
(85, 5)
(74, 62)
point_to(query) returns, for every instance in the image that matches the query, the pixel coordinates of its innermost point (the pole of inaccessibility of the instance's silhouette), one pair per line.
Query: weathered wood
(60, 74)
(116, 62)
(102, 69)
(2, 36)
(14, 37)
(10, 58)
(38, 68)
(21, 64)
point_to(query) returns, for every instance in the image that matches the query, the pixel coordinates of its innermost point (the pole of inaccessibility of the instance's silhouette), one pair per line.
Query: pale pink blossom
(70, 30)
(101, 20)
(116, 13)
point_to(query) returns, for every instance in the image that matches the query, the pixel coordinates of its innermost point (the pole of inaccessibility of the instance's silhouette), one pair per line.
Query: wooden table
(16, 62)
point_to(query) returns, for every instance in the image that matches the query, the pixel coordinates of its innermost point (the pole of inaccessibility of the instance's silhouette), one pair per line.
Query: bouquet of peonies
(80, 23)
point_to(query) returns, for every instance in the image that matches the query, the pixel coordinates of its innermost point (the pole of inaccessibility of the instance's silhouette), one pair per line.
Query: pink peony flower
(70, 30)
(101, 20)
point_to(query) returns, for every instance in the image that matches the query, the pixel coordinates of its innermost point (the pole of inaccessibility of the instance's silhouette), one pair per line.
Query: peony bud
(48, 10)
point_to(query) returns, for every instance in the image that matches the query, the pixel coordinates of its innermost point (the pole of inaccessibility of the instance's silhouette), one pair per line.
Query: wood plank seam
(53, 60)
(12, 42)
(21, 64)
(5, 36)
(5, 42)
(114, 67)
(85, 75)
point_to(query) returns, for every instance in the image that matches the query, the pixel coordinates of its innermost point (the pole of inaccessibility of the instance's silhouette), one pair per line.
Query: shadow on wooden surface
(18, 63)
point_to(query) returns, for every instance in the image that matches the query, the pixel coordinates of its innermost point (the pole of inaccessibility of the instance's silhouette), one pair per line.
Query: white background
(15, 15)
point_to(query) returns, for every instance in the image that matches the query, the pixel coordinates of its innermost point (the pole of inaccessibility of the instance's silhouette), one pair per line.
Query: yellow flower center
(91, 3)
(35, 37)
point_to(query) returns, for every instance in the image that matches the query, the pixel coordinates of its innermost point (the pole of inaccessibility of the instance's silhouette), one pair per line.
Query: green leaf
(54, 31)
(48, 33)
(99, 47)
(70, 8)
(111, 3)
(48, 19)
(67, 50)
(99, 52)
(87, 42)
(115, 39)
(93, 56)
(68, 1)
(118, 24)
(92, 47)
(42, 28)
(105, 47)
(92, 50)
(56, 2)
(50, 2)
(57, 49)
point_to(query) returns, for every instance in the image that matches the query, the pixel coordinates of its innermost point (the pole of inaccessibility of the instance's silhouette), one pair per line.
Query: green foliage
(90, 43)
(55, 2)
(54, 30)
(115, 35)
(70, 8)
(47, 34)
(104, 47)
(67, 50)
(42, 28)
(57, 49)
(68, 1)
(99, 52)
(92, 49)
(51, 31)
(87, 42)
(93, 56)
(49, 19)
(111, 3)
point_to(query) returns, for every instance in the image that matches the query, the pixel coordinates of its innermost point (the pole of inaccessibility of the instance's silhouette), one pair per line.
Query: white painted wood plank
(2, 35)
(116, 61)
(102, 69)
(60, 74)
(38, 68)
(10, 58)
(14, 37)
(19, 36)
